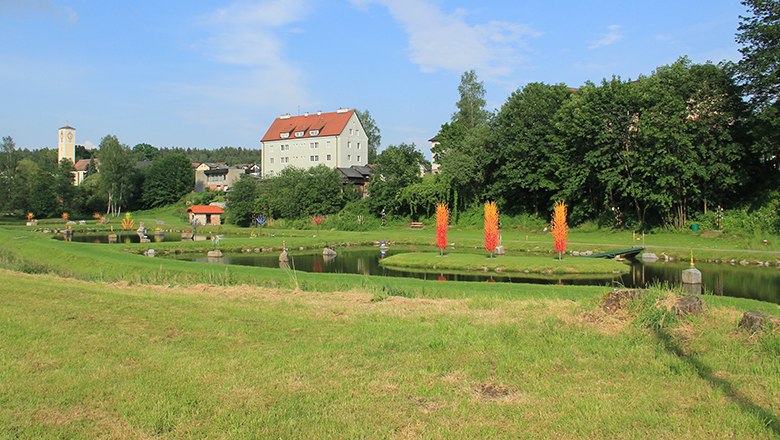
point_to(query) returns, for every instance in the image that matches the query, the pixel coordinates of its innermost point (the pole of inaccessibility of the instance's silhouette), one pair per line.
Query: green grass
(83, 360)
(98, 341)
(464, 263)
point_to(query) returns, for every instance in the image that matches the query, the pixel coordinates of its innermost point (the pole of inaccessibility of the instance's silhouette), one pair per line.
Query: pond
(123, 237)
(762, 283)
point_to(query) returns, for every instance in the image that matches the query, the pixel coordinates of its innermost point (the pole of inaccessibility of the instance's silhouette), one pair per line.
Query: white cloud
(611, 37)
(442, 41)
(255, 76)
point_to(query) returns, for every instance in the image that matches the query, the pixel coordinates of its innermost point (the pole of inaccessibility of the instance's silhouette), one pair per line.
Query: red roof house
(205, 214)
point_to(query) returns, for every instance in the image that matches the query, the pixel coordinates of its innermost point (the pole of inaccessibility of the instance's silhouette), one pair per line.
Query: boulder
(215, 254)
(754, 321)
(619, 299)
(649, 257)
(688, 305)
(328, 251)
(149, 253)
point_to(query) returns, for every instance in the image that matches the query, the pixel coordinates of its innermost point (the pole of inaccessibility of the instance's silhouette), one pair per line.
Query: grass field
(96, 341)
(465, 263)
(89, 360)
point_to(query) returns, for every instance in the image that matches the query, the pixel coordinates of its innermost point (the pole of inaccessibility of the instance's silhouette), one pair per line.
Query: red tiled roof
(205, 209)
(83, 164)
(329, 124)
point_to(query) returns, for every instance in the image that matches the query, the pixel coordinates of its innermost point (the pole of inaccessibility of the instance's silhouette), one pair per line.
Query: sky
(207, 74)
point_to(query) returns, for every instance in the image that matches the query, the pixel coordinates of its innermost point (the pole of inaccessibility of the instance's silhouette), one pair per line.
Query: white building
(336, 139)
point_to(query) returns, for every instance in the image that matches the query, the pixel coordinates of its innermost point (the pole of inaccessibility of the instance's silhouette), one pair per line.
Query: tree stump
(688, 305)
(619, 298)
(753, 321)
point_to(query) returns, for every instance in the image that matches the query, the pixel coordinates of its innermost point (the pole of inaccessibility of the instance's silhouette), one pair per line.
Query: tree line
(117, 179)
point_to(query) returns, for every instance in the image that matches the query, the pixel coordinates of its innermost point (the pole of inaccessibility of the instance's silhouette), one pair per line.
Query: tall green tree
(146, 152)
(116, 174)
(373, 133)
(527, 155)
(8, 161)
(242, 201)
(759, 35)
(464, 150)
(397, 167)
(167, 180)
(759, 73)
(65, 191)
(297, 192)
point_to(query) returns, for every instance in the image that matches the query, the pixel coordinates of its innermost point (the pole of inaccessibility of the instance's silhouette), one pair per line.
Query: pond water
(122, 237)
(762, 283)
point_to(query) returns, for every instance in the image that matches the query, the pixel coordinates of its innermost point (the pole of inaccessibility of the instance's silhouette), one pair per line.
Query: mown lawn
(465, 263)
(86, 359)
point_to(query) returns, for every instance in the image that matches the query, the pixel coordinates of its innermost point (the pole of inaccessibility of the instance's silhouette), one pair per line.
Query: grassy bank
(464, 263)
(84, 360)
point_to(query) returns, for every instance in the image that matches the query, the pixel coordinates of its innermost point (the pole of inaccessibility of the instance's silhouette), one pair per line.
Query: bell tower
(66, 145)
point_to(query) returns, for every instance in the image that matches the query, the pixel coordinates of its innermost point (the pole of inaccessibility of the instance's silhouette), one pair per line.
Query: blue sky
(215, 73)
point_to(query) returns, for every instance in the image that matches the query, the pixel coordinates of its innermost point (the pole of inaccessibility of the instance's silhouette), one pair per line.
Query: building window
(358, 159)
(350, 132)
(349, 144)
(314, 158)
(284, 135)
(316, 145)
(299, 134)
(271, 160)
(358, 145)
(314, 132)
(311, 145)
(349, 157)
(327, 157)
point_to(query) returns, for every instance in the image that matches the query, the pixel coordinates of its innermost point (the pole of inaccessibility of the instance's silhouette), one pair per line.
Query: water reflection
(748, 282)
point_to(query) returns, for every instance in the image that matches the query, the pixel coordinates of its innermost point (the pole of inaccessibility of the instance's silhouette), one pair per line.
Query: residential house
(335, 139)
(434, 156)
(359, 176)
(217, 176)
(82, 170)
(205, 214)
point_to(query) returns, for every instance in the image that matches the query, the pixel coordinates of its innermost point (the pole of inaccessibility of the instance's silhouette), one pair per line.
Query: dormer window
(284, 135)
(314, 132)
(299, 133)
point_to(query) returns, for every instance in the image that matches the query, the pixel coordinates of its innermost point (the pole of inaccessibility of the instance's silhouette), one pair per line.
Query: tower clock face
(70, 136)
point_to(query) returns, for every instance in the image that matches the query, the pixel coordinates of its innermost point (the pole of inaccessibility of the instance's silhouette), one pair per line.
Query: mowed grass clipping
(453, 262)
(85, 359)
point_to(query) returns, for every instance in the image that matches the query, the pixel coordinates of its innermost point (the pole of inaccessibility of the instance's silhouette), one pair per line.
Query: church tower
(66, 146)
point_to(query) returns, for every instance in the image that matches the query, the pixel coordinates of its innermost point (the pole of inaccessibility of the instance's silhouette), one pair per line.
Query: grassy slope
(503, 264)
(80, 359)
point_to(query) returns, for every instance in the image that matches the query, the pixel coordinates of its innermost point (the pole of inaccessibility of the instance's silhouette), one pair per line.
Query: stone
(754, 321)
(215, 254)
(150, 253)
(619, 298)
(145, 240)
(500, 250)
(328, 251)
(688, 305)
(649, 257)
(575, 253)
(112, 238)
(587, 253)
(691, 276)
(283, 257)
(186, 236)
